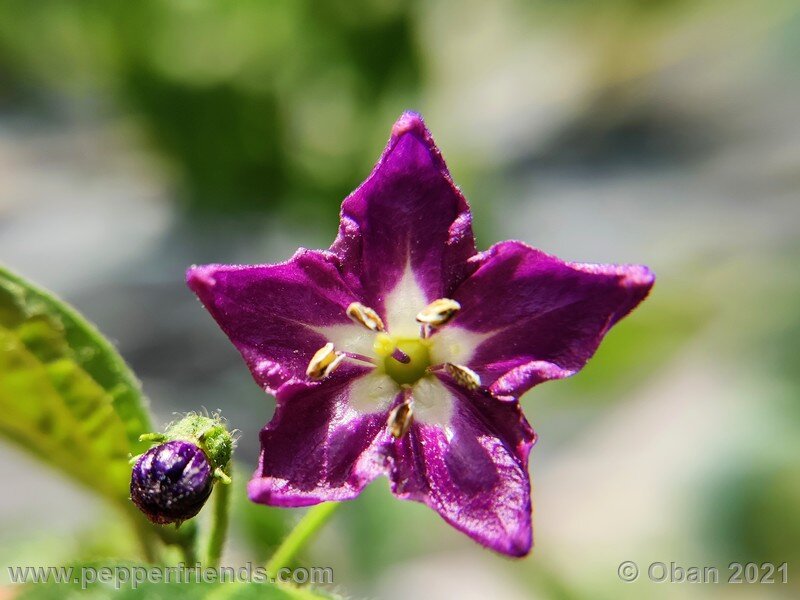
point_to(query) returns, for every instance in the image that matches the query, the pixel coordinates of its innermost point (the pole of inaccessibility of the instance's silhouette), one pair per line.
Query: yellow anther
(365, 316)
(463, 376)
(438, 312)
(324, 362)
(400, 419)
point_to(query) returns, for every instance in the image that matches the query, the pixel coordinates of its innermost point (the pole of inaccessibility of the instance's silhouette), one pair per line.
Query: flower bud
(171, 482)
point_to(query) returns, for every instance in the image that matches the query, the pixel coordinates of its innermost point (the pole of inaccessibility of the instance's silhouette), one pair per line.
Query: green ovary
(406, 373)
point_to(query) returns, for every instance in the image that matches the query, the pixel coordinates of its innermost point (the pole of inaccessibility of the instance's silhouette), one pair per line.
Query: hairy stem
(219, 524)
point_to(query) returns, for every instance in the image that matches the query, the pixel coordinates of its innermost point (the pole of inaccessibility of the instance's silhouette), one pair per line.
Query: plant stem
(298, 537)
(219, 524)
(187, 545)
(145, 534)
(183, 537)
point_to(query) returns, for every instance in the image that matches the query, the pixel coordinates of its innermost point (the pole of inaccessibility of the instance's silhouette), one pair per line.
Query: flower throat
(405, 360)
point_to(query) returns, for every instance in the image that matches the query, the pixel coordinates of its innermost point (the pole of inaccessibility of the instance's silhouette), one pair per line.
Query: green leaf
(116, 580)
(66, 395)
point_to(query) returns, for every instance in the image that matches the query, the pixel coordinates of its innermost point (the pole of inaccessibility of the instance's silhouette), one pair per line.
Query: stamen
(365, 316)
(463, 376)
(324, 362)
(400, 418)
(360, 357)
(438, 312)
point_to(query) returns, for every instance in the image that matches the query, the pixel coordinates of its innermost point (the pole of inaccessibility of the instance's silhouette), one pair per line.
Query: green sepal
(208, 433)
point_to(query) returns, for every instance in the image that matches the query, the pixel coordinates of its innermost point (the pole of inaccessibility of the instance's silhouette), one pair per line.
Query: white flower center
(415, 341)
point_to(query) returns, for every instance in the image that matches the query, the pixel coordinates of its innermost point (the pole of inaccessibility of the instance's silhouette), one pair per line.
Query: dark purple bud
(171, 482)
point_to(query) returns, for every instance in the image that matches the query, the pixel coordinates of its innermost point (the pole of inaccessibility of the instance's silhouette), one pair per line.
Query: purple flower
(171, 482)
(402, 351)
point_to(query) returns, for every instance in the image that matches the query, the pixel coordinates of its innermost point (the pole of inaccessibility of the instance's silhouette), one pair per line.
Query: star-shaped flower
(402, 351)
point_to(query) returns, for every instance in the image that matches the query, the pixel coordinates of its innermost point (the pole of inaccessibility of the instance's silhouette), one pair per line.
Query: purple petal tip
(409, 122)
(200, 277)
(519, 548)
(639, 276)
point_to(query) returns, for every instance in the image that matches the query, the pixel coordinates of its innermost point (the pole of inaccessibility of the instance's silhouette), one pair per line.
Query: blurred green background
(137, 138)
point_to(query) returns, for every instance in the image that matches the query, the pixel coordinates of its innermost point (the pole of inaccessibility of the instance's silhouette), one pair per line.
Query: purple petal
(268, 311)
(547, 316)
(407, 212)
(473, 472)
(317, 448)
